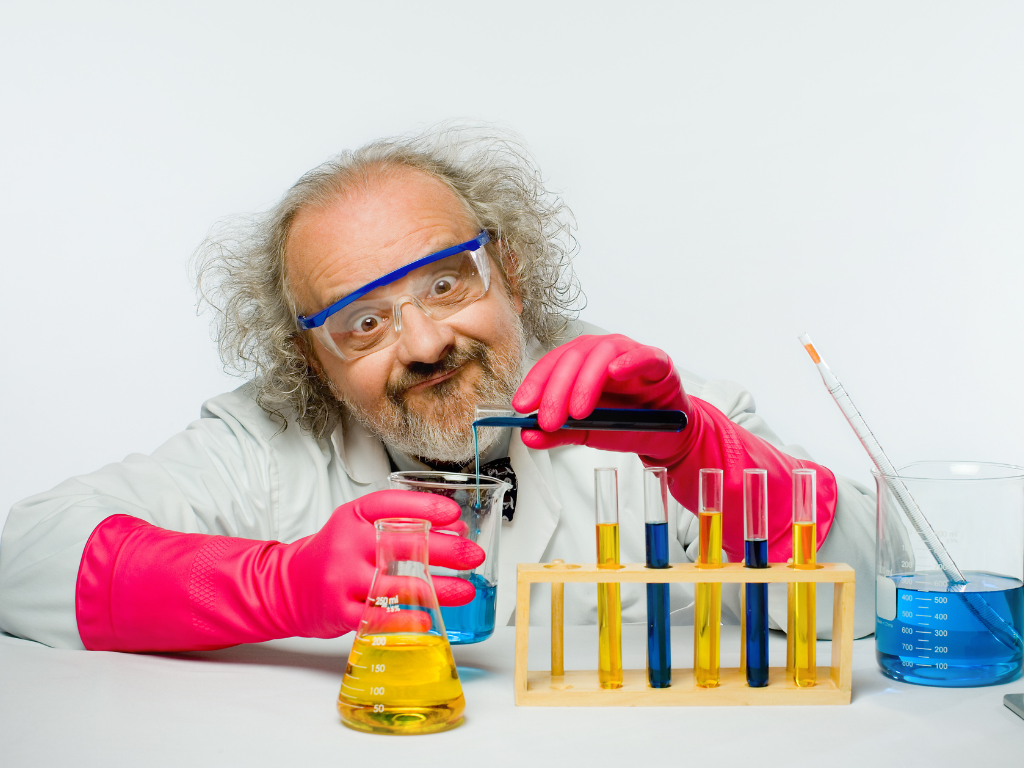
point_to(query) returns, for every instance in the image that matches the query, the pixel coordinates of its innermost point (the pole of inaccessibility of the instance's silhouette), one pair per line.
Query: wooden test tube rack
(580, 688)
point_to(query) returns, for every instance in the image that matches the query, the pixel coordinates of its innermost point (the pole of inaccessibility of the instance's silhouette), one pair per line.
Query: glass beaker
(401, 677)
(480, 523)
(927, 630)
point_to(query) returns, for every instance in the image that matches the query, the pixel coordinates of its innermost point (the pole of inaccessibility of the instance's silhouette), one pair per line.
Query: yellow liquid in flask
(401, 684)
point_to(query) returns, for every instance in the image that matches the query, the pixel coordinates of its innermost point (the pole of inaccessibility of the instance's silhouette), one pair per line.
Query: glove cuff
(143, 588)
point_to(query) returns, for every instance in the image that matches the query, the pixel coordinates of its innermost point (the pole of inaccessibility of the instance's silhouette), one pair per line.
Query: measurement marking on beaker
(346, 685)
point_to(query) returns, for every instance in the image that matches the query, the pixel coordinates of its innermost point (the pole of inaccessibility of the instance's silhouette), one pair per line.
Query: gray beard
(442, 432)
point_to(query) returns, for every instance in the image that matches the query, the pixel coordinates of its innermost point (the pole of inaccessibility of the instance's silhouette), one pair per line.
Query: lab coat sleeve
(851, 539)
(218, 476)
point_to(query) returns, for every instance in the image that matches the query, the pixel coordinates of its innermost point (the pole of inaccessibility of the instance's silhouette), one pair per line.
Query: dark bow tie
(501, 469)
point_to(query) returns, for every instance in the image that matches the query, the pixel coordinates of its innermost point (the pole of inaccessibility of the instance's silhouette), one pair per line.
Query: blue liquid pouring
(659, 642)
(756, 554)
(937, 637)
(474, 621)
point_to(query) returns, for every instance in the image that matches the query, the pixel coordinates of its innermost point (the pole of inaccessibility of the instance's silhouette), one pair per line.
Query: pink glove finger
(558, 389)
(436, 509)
(527, 396)
(459, 528)
(452, 591)
(400, 590)
(593, 373)
(541, 441)
(646, 363)
(376, 620)
(352, 580)
(454, 552)
(351, 614)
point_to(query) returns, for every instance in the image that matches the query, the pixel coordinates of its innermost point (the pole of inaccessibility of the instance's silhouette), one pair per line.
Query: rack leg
(557, 622)
(522, 638)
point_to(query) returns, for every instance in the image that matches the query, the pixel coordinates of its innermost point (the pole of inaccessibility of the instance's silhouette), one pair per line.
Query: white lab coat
(234, 472)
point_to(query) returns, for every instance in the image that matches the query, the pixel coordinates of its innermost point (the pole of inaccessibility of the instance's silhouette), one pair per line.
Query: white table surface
(273, 704)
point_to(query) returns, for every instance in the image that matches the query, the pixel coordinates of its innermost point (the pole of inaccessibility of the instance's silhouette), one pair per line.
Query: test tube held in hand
(707, 624)
(609, 606)
(755, 535)
(659, 641)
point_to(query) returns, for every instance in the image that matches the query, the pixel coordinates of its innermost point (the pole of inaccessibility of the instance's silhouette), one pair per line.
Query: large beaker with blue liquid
(929, 629)
(480, 522)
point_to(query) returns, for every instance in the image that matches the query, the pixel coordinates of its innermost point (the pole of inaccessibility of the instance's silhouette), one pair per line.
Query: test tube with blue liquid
(659, 639)
(755, 545)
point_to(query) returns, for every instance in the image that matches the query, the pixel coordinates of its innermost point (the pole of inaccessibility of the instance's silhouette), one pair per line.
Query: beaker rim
(957, 471)
(439, 479)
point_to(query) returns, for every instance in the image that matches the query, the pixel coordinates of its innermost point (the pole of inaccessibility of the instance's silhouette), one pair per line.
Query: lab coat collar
(361, 452)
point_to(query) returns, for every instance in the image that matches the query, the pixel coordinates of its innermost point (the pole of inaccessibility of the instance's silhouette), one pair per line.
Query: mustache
(417, 373)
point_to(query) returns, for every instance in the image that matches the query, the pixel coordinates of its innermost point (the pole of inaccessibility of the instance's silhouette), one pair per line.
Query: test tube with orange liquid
(802, 621)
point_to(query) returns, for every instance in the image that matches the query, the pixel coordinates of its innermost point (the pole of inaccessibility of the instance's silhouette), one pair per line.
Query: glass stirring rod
(888, 471)
(974, 601)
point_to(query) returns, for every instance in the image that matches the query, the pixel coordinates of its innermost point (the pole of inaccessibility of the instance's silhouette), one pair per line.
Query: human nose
(421, 339)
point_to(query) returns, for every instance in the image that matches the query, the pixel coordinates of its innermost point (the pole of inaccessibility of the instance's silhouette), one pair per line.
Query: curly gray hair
(240, 267)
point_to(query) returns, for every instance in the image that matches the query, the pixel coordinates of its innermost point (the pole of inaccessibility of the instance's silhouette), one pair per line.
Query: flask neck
(402, 546)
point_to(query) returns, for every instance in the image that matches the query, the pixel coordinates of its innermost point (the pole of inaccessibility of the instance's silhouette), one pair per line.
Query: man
(390, 291)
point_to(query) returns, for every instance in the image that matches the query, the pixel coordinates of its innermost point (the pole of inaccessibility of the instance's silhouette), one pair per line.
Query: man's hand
(603, 372)
(616, 372)
(335, 566)
(144, 588)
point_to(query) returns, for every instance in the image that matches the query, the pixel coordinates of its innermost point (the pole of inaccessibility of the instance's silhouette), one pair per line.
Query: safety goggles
(370, 318)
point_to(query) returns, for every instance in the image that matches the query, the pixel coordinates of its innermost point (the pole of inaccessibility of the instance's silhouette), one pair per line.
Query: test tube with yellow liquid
(802, 621)
(401, 677)
(609, 605)
(707, 623)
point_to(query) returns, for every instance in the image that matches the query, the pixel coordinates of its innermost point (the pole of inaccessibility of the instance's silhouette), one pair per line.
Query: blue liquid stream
(659, 641)
(756, 554)
(937, 637)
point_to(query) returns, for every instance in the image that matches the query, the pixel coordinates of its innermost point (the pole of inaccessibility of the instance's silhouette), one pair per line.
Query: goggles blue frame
(309, 322)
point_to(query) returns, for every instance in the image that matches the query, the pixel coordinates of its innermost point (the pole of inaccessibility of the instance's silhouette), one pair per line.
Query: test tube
(609, 607)
(755, 549)
(659, 642)
(803, 603)
(708, 607)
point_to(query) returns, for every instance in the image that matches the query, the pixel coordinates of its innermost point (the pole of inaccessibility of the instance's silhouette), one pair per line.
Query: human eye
(367, 324)
(444, 286)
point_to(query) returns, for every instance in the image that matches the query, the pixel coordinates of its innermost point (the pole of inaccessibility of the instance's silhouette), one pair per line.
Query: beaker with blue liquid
(930, 630)
(480, 501)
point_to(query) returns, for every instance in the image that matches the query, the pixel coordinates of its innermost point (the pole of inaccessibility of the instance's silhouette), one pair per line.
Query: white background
(740, 173)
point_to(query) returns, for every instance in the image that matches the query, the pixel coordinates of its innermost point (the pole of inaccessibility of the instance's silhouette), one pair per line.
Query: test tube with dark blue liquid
(659, 639)
(755, 534)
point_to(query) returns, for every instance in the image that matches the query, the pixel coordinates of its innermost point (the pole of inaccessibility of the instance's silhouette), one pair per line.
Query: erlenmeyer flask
(401, 676)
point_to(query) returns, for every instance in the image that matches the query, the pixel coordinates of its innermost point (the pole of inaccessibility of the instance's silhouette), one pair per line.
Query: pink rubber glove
(616, 372)
(143, 588)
